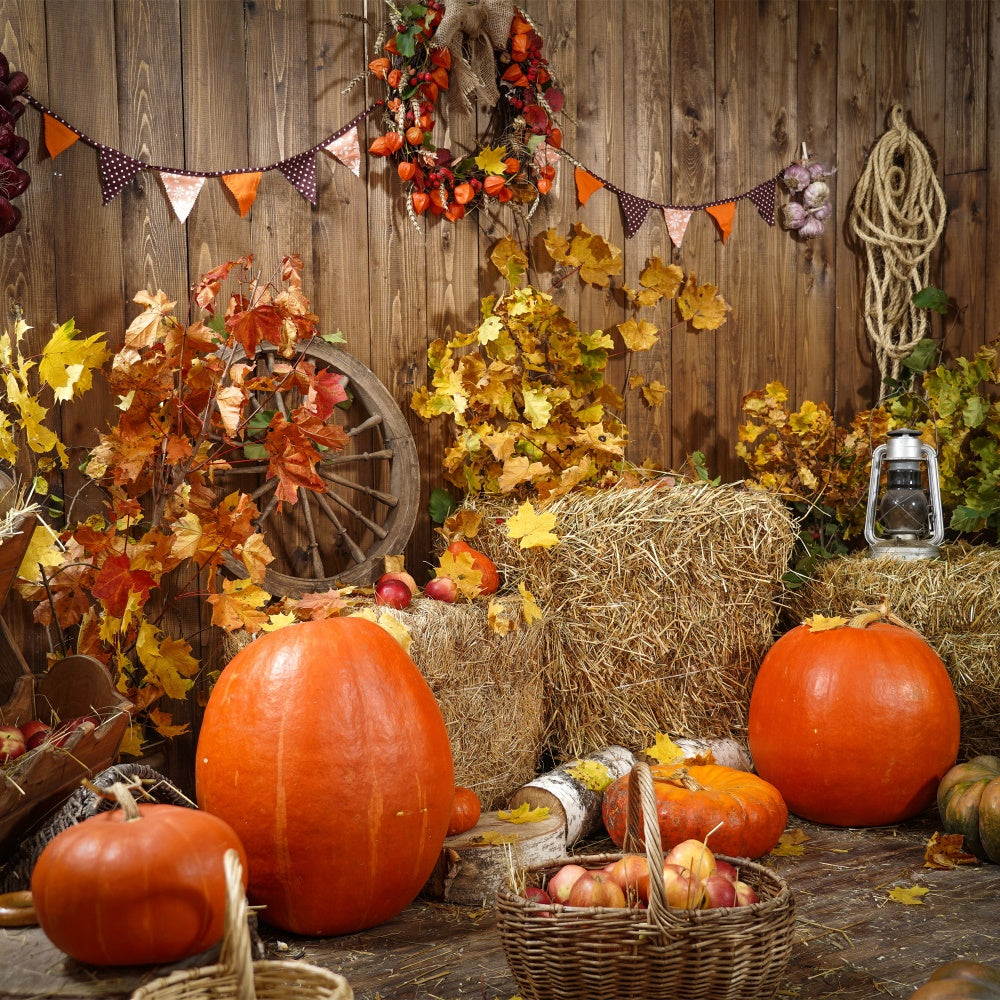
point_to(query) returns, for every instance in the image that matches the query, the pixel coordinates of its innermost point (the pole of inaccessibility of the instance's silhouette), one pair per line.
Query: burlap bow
(471, 30)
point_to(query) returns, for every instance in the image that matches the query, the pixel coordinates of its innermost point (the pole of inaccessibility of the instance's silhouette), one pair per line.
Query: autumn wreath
(490, 48)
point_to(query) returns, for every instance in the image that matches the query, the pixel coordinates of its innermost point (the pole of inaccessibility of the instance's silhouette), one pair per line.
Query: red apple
(631, 873)
(12, 744)
(725, 868)
(442, 588)
(682, 889)
(394, 593)
(744, 894)
(405, 578)
(562, 882)
(535, 895)
(35, 731)
(694, 856)
(596, 889)
(719, 891)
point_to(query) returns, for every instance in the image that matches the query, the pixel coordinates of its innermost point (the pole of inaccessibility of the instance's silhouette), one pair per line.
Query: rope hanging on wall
(898, 213)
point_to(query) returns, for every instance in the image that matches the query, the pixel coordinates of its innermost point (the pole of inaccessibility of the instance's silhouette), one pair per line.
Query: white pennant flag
(677, 223)
(347, 149)
(182, 190)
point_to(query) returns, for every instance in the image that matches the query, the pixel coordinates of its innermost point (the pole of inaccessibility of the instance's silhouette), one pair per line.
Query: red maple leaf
(293, 459)
(326, 390)
(116, 580)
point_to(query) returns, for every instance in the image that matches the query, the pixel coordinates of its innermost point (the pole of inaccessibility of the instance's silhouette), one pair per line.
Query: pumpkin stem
(863, 617)
(680, 778)
(119, 792)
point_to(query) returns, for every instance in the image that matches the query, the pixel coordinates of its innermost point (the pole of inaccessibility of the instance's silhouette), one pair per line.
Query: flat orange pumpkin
(692, 800)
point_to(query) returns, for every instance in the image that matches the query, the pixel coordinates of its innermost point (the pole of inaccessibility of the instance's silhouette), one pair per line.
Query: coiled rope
(898, 213)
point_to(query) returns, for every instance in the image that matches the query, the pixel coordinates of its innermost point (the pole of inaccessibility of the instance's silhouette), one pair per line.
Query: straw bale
(952, 601)
(658, 605)
(489, 688)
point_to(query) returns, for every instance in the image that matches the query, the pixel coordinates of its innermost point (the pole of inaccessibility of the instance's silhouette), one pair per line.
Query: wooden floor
(852, 941)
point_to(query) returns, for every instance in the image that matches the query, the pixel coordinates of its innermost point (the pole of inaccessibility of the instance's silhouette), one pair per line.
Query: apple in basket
(745, 894)
(12, 744)
(719, 891)
(683, 889)
(35, 732)
(631, 873)
(596, 889)
(562, 882)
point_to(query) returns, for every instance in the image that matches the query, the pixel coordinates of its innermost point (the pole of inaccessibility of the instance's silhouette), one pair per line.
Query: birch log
(567, 793)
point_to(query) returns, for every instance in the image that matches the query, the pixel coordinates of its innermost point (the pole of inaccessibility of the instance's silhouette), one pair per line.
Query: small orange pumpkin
(482, 562)
(465, 811)
(961, 978)
(693, 799)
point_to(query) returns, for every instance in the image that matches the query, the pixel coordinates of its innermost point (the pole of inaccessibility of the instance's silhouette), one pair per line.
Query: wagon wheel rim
(341, 536)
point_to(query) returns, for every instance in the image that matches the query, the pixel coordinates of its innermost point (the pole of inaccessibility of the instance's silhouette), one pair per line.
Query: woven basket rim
(193, 981)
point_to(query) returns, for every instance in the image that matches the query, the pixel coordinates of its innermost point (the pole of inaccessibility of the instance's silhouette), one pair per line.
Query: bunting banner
(116, 169)
(635, 209)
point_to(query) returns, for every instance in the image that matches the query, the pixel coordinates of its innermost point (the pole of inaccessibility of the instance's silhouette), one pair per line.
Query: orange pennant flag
(586, 185)
(723, 215)
(244, 188)
(57, 136)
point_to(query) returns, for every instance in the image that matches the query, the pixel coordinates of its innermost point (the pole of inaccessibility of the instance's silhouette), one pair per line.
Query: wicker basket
(661, 953)
(236, 976)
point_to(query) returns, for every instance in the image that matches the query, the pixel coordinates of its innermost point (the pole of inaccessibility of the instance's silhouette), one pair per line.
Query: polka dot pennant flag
(182, 190)
(763, 198)
(347, 149)
(300, 171)
(115, 170)
(677, 222)
(635, 211)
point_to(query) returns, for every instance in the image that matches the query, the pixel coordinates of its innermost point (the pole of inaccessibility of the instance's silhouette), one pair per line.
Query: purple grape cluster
(13, 147)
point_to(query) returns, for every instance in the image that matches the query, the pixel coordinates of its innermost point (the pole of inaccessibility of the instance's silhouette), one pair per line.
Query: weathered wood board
(852, 942)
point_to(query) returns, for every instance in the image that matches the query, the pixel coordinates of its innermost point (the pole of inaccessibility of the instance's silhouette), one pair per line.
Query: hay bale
(952, 601)
(490, 690)
(658, 606)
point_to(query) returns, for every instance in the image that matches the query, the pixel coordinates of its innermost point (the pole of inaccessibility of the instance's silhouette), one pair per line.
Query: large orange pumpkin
(692, 800)
(140, 885)
(323, 747)
(854, 725)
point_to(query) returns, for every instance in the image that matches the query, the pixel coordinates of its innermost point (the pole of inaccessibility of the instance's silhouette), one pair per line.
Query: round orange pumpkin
(139, 885)
(692, 800)
(465, 811)
(323, 747)
(854, 725)
(491, 577)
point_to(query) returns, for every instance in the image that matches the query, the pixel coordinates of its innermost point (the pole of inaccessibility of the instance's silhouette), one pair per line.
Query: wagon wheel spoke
(386, 499)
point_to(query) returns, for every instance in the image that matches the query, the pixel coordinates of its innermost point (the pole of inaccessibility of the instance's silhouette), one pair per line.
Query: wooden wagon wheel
(368, 510)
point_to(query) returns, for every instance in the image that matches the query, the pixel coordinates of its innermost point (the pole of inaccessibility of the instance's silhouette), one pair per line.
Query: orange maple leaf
(261, 322)
(329, 604)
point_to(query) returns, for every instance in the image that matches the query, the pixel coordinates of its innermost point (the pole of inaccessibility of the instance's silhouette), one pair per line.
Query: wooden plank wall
(679, 101)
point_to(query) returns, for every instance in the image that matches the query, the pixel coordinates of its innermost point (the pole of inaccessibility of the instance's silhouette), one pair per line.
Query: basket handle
(235, 955)
(642, 805)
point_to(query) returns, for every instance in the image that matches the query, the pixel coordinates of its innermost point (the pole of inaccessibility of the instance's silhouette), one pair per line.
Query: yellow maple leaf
(790, 844)
(822, 623)
(520, 469)
(639, 336)
(132, 741)
(654, 393)
(491, 158)
(164, 724)
(460, 568)
(524, 814)
(279, 620)
(701, 306)
(529, 606)
(394, 564)
(238, 606)
(509, 259)
(558, 248)
(255, 556)
(385, 619)
(533, 529)
(167, 662)
(643, 297)
(67, 364)
(464, 523)
(910, 896)
(151, 325)
(489, 329)
(43, 550)
(664, 750)
(591, 774)
(497, 617)
(662, 278)
(537, 407)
